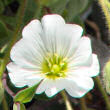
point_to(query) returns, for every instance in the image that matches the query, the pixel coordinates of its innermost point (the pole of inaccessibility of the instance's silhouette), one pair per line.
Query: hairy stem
(106, 11)
(4, 81)
(67, 102)
(105, 96)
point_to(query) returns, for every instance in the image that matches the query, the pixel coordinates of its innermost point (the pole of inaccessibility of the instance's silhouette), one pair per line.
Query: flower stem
(67, 102)
(83, 104)
(106, 11)
(105, 96)
(4, 81)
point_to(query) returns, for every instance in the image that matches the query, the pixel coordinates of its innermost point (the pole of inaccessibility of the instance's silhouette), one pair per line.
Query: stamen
(54, 66)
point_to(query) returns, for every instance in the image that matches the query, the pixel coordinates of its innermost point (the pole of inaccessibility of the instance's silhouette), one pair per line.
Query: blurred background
(15, 14)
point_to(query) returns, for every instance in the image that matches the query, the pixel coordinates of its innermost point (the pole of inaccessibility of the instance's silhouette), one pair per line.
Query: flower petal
(51, 87)
(60, 38)
(49, 22)
(67, 38)
(82, 55)
(78, 86)
(95, 67)
(27, 53)
(91, 71)
(33, 29)
(21, 77)
(74, 34)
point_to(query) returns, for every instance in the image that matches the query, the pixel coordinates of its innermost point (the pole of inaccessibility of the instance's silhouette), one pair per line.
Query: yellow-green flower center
(54, 66)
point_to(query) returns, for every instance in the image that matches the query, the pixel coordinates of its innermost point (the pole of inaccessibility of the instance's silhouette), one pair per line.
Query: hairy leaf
(107, 77)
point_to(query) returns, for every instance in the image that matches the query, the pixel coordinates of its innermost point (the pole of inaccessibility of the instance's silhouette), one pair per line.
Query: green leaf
(58, 6)
(78, 20)
(48, 2)
(30, 11)
(3, 51)
(7, 2)
(4, 38)
(10, 21)
(25, 95)
(107, 77)
(15, 106)
(2, 55)
(75, 7)
(1, 7)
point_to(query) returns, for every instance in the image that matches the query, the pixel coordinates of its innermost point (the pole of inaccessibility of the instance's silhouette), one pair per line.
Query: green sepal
(25, 95)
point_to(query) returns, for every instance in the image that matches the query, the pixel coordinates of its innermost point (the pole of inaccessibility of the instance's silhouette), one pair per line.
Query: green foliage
(10, 21)
(22, 107)
(6, 2)
(30, 11)
(77, 20)
(48, 2)
(58, 6)
(25, 95)
(75, 7)
(68, 8)
(1, 92)
(3, 34)
(107, 77)
(1, 7)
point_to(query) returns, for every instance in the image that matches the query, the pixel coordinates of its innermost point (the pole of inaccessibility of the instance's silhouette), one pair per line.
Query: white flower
(55, 54)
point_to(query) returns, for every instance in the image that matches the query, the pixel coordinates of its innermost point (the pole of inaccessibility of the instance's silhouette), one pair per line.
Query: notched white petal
(55, 86)
(79, 86)
(51, 87)
(17, 75)
(77, 30)
(52, 20)
(95, 67)
(90, 71)
(33, 29)
(21, 77)
(73, 33)
(83, 54)
(42, 86)
(27, 54)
